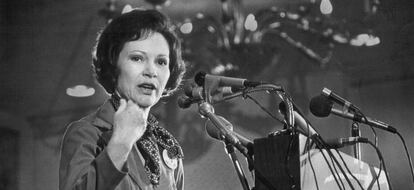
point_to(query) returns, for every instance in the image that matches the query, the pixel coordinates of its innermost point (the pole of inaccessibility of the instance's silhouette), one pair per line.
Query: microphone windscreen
(188, 89)
(184, 102)
(199, 78)
(320, 106)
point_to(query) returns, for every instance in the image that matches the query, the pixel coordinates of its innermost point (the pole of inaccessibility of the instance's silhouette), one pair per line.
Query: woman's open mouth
(147, 88)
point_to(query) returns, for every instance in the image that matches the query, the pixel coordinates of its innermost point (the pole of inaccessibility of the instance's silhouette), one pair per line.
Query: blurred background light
(250, 23)
(326, 7)
(186, 28)
(80, 91)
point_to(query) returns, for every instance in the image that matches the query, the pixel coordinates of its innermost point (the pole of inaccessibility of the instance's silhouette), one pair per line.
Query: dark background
(45, 48)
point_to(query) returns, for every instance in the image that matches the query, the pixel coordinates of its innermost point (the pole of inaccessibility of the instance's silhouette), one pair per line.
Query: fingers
(128, 107)
(130, 123)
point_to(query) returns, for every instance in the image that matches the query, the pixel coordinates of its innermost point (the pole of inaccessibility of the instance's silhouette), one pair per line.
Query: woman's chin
(145, 102)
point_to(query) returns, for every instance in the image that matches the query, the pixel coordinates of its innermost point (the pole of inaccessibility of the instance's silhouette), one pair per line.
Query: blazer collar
(105, 116)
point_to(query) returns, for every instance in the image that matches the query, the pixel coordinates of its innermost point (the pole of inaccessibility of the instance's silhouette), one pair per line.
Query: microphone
(194, 94)
(341, 142)
(207, 110)
(219, 81)
(193, 91)
(338, 99)
(213, 132)
(302, 125)
(240, 142)
(321, 106)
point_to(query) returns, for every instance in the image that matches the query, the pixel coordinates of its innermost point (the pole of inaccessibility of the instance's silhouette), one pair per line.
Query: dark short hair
(134, 25)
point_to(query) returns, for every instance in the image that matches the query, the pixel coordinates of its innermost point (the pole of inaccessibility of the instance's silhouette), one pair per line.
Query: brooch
(171, 163)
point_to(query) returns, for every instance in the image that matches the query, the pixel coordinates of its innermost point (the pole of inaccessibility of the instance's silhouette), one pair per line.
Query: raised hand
(130, 123)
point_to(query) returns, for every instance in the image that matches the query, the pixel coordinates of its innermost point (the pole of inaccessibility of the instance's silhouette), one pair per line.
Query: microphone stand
(231, 141)
(232, 154)
(356, 132)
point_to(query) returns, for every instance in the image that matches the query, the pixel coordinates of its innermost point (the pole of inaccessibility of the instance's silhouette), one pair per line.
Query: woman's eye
(162, 62)
(137, 58)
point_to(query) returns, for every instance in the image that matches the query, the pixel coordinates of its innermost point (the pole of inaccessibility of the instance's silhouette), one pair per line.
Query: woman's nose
(150, 70)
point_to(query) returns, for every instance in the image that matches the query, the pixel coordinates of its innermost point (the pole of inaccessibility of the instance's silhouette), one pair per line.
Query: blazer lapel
(137, 168)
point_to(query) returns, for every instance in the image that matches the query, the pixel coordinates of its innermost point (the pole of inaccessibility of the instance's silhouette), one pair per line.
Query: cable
(245, 93)
(310, 162)
(287, 168)
(323, 145)
(329, 166)
(383, 163)
(408, 155)
(262, 87)
(347, 168)
(289, 111)
(376, 177)
(283, 97)
(264, 109)
(333, 159)
(379, 172)
(336, 171)
(376, 145)
(319, 142)
(375, 135)
(404, 144)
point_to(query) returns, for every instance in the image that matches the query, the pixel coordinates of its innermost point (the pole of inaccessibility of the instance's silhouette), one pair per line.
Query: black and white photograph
(206, 94)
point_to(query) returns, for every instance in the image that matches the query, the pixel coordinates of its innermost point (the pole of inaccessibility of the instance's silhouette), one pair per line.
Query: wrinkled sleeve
(179, 175)
(83, 164)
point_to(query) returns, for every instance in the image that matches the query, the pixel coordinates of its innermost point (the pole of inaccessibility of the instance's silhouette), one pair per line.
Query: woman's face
(144, 69)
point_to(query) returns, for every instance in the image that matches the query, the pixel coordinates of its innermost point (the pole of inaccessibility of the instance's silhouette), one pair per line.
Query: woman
(121, 146)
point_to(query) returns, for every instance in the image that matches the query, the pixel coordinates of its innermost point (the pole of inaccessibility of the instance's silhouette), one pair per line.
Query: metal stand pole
(236, 164)
(356, 132)
(207, 110)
